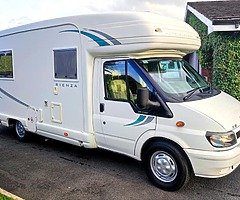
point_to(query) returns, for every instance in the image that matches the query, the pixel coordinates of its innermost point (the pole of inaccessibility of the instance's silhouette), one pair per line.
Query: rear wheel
(20, 131)
(166, 166)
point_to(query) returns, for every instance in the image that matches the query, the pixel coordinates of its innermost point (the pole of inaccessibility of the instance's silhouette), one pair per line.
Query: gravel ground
(47, 169)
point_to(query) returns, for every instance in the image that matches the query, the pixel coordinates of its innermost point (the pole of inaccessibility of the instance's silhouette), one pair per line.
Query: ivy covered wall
(220, 53)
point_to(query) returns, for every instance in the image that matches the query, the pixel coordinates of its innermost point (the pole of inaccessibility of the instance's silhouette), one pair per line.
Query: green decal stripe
(96, 39)
(137, 121)
(113, 40)
(147, 121)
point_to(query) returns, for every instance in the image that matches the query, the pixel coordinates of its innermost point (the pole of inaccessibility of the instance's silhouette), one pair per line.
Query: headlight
(221, 140)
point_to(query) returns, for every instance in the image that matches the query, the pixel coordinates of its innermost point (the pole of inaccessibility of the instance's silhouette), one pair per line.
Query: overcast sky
(18, 12)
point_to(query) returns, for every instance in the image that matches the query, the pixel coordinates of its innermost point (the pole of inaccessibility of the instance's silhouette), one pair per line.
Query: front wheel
(166, 166)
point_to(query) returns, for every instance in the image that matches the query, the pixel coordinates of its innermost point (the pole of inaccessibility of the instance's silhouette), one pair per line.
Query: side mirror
(142, 97)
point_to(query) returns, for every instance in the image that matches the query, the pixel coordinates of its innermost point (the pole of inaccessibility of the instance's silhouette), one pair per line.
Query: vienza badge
(66, 85)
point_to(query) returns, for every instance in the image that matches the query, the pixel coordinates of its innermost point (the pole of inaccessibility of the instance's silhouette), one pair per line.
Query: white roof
(128, 28)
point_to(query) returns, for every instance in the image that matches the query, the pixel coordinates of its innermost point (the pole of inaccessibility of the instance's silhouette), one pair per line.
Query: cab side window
(122, 81)
(115, 80)
(125, 81)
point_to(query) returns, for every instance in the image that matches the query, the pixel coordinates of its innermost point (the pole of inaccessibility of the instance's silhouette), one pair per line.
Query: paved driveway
(47, 169)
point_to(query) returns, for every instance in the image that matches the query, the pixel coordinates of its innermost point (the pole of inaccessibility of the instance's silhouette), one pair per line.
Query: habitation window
(65, 63)
(6, 65)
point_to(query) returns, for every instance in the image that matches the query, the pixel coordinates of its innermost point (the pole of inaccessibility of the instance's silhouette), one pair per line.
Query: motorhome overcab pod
(119, 82)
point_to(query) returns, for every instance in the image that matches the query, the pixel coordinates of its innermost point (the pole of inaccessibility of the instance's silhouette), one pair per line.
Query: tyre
(20, 131)
(166, 166)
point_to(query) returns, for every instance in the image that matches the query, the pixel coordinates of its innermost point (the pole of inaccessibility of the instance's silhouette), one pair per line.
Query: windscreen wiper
(190, 93)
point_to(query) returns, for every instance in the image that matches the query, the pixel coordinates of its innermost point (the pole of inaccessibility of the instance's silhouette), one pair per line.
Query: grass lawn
(2, 197)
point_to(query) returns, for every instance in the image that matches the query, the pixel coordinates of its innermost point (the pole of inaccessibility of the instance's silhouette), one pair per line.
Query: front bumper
(214, 164)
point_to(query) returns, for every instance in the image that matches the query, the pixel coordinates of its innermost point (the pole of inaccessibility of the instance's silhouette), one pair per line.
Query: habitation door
(122, 123)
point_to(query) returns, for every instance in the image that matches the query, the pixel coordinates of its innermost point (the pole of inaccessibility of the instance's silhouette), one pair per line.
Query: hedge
(219, 52)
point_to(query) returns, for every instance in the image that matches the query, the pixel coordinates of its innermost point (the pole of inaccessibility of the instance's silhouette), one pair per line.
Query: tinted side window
(122, 81)
(65, 63)
(115, 80)
(6, 64)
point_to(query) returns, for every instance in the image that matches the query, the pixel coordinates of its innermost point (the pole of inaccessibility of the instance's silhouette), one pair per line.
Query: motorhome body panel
(54, 102)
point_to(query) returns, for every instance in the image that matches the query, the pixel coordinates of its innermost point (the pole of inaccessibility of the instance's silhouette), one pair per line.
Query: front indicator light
(221, 140)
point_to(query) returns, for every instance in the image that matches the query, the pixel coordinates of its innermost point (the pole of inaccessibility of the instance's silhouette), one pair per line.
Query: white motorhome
(119, 82)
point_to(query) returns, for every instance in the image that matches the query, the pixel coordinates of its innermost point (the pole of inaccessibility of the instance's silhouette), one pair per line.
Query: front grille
(238, 134)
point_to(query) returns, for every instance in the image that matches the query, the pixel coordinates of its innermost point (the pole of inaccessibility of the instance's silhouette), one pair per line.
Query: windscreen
(174, 76)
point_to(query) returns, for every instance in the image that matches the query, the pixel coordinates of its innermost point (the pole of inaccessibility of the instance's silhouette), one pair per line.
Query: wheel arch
(152, 140)
(11, 121)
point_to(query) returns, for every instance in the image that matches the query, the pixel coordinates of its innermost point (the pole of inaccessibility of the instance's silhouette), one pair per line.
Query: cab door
(122, 122)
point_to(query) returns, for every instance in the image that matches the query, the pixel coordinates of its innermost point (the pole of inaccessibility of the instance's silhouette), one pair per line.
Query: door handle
(101, 107)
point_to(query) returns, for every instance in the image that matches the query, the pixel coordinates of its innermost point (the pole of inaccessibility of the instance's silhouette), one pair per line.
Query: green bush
(3, 197)
(219, 52)
(226, 63)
